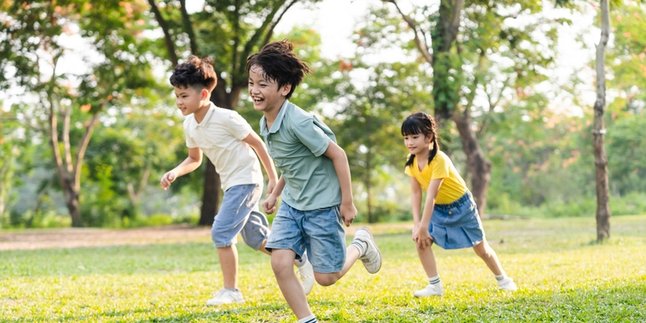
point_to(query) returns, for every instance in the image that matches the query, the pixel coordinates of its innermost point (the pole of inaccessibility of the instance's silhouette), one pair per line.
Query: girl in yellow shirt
(450, 216)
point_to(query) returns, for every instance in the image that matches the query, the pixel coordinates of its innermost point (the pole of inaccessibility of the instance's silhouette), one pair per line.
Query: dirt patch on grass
(92, 237)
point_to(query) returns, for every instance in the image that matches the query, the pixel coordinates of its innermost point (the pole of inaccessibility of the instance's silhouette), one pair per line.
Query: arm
(423, 236)
(342, 168)
(259, 147)
(416, 204)
(193, 161)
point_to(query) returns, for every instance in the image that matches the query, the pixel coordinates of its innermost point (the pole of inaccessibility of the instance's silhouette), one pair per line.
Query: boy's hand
(167, 179)
(348, 213)
(269, 204)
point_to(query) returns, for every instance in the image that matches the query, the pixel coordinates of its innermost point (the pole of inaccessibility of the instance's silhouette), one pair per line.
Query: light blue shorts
(239, 213)
(456, 225)
(320, 232)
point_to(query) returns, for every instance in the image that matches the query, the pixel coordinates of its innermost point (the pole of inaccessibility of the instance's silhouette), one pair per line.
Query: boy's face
(265, 93)
(188, 99)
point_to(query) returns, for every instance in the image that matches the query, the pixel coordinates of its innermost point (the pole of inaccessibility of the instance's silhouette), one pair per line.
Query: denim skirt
(456, 225)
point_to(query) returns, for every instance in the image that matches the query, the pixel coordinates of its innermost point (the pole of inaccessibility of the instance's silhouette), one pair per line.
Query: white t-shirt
(220, 136)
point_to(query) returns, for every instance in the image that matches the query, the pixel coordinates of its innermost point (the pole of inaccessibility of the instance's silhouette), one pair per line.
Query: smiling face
(265, 93)
(189, 99)
(417, 144)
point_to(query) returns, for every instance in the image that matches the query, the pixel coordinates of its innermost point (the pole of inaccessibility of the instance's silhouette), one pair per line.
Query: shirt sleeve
(237, 126)
(312, 136)
(440, 167)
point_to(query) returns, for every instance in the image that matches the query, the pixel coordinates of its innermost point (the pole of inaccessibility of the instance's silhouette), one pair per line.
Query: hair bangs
(412, 126)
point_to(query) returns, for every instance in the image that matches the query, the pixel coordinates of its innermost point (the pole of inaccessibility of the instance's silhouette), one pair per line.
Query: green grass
(562, 275)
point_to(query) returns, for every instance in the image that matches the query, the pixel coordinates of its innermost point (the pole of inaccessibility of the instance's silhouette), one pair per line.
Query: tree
(598, 131)
(479, 61)
(229, 31)
(7, 166)
(34, 47)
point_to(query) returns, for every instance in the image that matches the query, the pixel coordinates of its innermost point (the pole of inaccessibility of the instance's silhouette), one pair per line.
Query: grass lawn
(561, 273)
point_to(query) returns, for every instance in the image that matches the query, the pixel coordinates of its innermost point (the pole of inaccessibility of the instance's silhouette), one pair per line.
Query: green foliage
(164, 281)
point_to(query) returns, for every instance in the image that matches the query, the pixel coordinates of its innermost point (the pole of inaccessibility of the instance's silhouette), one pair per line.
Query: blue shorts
(456, 225)
(239, 213)
(320, 232)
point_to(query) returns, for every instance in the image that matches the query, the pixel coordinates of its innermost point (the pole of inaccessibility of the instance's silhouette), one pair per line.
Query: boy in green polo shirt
(315, 182)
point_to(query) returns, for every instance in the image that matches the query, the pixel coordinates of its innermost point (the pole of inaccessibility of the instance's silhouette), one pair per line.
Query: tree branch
(188, 28)
(420, 42)
(80, 154)
(168, 39)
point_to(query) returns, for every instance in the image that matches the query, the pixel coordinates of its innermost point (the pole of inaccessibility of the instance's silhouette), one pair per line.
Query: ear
(204, 94)
(284, 90)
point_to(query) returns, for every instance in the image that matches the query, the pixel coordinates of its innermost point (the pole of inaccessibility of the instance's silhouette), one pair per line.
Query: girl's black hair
(421, 123)
(280, 64)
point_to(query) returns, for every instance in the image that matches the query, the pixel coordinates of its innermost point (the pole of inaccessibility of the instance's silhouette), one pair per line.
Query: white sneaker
(507, 284)
(306, 274)
(225, 296)
(371, 256)
(430, 290)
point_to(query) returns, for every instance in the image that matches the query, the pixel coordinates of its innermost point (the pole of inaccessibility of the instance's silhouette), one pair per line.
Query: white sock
(360, 245)
(434, 280)
(308, 319)
(500, 277)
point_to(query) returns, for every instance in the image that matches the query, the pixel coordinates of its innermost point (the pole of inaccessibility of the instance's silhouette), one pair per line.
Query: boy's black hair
(280, 64)
(421, 123)
(194, 72)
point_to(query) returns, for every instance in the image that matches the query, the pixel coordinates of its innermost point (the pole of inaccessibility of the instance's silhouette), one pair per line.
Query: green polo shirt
(296, 142)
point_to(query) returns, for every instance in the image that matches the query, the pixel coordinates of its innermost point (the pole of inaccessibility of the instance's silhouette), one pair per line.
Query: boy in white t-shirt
(231, 145)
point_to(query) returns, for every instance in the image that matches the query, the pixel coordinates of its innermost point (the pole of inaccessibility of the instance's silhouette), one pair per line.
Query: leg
(427, 258)
(484, 251)
(327, 279)
(282, 263)
(255, 231)
(434, 287)
(229, 265)
(237, 204)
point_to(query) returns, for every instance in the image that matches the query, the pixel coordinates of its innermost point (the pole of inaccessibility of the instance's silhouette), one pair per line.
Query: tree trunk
(600, 160)
(72, 201)
(210, 194)
(368, 180)
(446, 85)
(478, 166)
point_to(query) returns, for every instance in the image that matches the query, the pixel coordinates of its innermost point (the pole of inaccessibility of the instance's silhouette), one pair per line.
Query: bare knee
(326, 279)
(282, 266)
(483, 250)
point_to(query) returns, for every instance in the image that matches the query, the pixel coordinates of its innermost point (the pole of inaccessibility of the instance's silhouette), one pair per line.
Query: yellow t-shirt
(453, 186)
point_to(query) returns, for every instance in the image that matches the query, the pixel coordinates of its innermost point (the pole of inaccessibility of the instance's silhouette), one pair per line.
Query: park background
(91, 80)
(89, 124)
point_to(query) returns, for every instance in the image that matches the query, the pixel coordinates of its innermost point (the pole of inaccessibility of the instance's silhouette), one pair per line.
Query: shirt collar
(277, 123)
(208, 115)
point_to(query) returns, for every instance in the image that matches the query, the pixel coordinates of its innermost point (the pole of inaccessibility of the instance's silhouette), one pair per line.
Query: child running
(231, 145)
(315, 182)
(450, 216)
